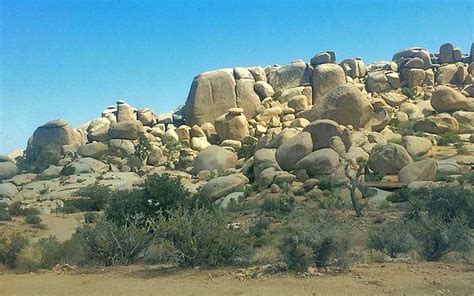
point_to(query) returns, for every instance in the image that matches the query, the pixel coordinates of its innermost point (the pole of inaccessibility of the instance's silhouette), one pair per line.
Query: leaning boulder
(128, 130)
(222, 186)
(295, 74)
(446, 99)
(437, 124)
(232, 125)
(388, 158)
(322, 162)
(416, 146)
(325, 78)
(322, 131)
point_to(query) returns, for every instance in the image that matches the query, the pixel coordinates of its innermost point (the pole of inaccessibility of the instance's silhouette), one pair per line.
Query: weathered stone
(325, 78)
(323, 58)
(232, 127)
(415, 57)
(199, 143)
(7, 191)
(125, 112)
(323, 130)
(264, 159)
(446, 53)
(92, 149)
(129, 130)
(388, 158)
(345, 104)
(292, 75)
(298, 103)
(146, 116)
(416, 146)
(437, 124)
(263, 89)
(446, 74)
(211, 95)
(7, 170)
(354, 68)
(465, 120)
(222, 186)
(423, 170)
(246, 97)
(214, 158)
(289, 153)
(446, 99)
(121, 147)
(321, 162)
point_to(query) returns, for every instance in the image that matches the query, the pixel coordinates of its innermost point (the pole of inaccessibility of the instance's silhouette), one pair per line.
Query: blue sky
(71, 59)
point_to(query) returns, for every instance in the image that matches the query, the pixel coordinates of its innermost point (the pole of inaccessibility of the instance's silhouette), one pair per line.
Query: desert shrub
(10, 247)
(67, 170)
(440, 177)
(160, 195)
(438, 237)
(94, 198)
(448, 138)
(201, 237)
(327, 183)
(90, 217)
(159, 252)
(450, 203)
(405, 194)
(107, 243)
(260, 231)
(246, 151)
(44, 254)
(323, 242)
(330, 201)
(284, 204)
(392, 238)
(15, 209)
(466, 178)
(33, 219)
(4, 214)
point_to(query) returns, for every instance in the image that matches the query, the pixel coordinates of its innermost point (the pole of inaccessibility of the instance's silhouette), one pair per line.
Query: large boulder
(388, 158)
(321, 162)
(446, 99)
(322, 131)
(95, 149)
(232, 125)
(263, 89)
(381, 81)
(87, 165)
(214, 158)
(125, 112)
(415, 57)
(128, 130)
(437, 124)
(345, 104)
(295, 74)
(7, 192)
(354, 68)
(7, 170)
(98, 130)
(446, 74)
(264, 159)
(465, 120)
(325, 78)
(211, 95)
(222, 186)
(290, 152)
(416, 146)
(423, 170)
(246, 97)
(54, 133)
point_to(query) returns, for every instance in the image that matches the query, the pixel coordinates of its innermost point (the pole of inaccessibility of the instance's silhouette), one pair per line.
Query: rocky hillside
(253, 129)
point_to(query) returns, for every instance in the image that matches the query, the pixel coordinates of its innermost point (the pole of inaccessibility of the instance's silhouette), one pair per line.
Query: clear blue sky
(70, 59)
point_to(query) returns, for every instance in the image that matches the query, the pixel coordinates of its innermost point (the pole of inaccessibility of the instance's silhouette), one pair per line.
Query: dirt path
(60, 226)
(381, 279)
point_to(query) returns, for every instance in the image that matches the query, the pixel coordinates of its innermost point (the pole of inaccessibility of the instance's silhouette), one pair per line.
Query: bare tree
(354, 182)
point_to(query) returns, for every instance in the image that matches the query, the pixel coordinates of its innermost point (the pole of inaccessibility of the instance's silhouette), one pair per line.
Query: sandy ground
(378, 279)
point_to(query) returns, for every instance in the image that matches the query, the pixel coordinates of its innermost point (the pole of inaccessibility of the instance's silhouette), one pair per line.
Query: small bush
(260, 231)
(410, 93)
(90, 217)
(448, 138)
(67, 171)
(4, 215)
(15, 209)
(393, 238)
(285, 204)
(44, 254)
(33, 219)
(438, 237)
(327, 183)
(160, 252)
(10, 247)
(161, 195)
(107, 243)
(323, 243)
(201, 238)
(97, 196)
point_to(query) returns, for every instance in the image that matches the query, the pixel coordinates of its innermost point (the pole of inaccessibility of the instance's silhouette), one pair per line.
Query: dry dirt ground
(376, 279)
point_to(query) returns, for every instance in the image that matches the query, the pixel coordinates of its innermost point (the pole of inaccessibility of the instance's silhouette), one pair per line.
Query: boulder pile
(294, 123)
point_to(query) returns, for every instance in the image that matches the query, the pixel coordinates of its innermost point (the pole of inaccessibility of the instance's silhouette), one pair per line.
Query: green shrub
(448, 138)
(201, 237)
(260, 231)
(67, 171)
(284, 204)
(90, 217)
(160, 252)
(392, 238)
(246, 151)
(107, 243)
(4, 214)
(438, 237)
(410, 93)
(44, 254)
(33, 219)
(330, 201)
(160, 195)
(327, 183)
(10, 247)
(15, 209)
(323, 242)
